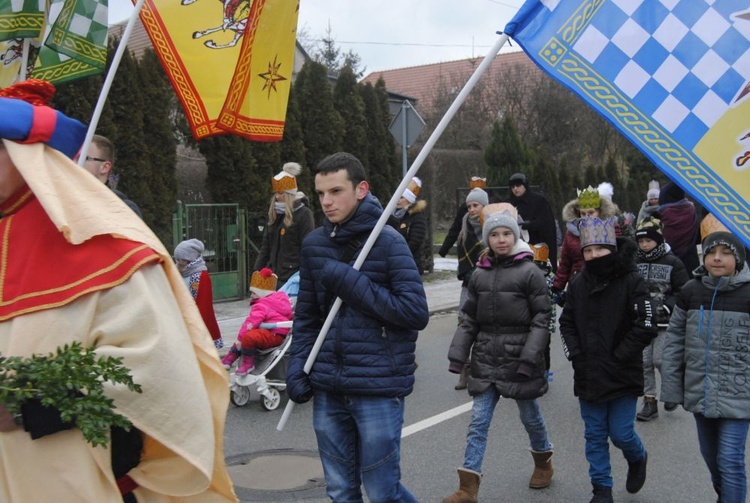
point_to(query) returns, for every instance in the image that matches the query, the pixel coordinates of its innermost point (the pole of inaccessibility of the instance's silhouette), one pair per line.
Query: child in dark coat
(505, 328)
(664, 274)
(606, 323)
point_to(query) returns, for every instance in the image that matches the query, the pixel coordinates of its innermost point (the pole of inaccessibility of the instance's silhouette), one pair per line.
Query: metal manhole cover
(270, 475)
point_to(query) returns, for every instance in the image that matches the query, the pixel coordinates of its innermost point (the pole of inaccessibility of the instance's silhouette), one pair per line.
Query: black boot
(636, 475)
(649, 411)
(602, 494)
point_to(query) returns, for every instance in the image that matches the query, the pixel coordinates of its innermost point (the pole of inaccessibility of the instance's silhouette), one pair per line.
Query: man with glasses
(100, 161)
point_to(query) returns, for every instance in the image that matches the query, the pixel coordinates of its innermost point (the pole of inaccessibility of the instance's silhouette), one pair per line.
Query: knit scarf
(279, 208)
(654, 254)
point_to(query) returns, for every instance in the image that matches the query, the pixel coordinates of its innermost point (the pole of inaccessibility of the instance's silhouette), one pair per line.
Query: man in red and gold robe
(77, 265)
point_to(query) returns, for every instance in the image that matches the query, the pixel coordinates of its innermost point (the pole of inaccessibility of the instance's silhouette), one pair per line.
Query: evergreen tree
(132, 165)
(545, 175)
(382, 161)
(592, 176)
(161, 147)
(232, 172)
(506, 154)
(293, 146)
(349, 103)
(322, 125)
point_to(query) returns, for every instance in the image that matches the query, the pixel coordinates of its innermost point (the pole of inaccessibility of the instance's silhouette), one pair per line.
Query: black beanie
(730, 241)
(671, 193)
(518, 179)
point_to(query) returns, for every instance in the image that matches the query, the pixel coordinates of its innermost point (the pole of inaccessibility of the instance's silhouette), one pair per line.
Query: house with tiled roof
(425, 82)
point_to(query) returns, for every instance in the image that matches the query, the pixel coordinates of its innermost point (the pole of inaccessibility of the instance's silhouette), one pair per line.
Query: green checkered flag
(75, 42)
(21, 18)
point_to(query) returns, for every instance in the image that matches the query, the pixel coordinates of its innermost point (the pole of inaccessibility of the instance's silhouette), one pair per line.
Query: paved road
(432, 448)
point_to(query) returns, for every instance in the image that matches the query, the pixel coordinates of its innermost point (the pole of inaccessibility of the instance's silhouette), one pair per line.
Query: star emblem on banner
(271, 77)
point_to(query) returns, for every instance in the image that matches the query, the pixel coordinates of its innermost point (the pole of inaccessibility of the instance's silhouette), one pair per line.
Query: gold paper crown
(541, 252)
(588, 198)
(477, 183)
(283, 182)
(263, 282)
(415, 185)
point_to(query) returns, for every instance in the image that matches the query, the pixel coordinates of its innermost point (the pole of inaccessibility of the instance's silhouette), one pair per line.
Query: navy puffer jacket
(369, 349)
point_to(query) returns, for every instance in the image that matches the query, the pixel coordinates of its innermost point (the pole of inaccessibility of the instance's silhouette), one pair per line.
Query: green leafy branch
(71, 381)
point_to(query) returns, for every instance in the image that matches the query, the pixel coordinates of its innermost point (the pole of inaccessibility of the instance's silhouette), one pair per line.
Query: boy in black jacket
(664, 274)
(606, 323)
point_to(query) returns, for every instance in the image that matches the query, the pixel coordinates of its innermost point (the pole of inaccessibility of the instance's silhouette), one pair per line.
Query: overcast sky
(391, 34)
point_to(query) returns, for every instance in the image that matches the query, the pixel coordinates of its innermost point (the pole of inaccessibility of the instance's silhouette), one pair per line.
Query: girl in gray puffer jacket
(505, 329)
(706, 361)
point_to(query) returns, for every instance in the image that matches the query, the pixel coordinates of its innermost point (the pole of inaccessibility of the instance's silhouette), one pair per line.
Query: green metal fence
(223, 230)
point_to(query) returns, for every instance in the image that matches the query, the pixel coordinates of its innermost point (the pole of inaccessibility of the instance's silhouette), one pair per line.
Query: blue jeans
(722, 444)
(481, 416)
(613, 420)
(359, 441)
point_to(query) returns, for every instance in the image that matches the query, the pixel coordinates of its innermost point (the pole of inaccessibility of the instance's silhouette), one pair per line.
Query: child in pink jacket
(266, 306)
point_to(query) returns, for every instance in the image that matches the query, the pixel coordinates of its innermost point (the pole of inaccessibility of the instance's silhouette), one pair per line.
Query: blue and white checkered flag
(672, 75)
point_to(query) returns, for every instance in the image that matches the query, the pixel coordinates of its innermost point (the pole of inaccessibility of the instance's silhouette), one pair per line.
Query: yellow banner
(229, 62)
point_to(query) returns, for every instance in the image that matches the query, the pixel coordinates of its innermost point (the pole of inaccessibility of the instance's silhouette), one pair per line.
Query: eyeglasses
(98, 159)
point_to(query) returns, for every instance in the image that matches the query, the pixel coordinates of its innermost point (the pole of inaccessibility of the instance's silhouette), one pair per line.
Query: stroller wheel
(273, 402)
(240, 395)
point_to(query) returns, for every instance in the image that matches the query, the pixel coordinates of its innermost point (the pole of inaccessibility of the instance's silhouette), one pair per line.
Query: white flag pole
(24, 59)
(108, 82)
(434, 137)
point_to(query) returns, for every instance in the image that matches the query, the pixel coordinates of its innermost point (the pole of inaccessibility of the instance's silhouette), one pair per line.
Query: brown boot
(463, 378)
(468, 487)
(542, 476)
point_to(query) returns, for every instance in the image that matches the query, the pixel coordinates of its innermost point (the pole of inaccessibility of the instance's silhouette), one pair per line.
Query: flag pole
(108, 82)
(24, 59)
(434, 137)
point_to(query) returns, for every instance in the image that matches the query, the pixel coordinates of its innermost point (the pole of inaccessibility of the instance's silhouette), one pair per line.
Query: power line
(403, 44)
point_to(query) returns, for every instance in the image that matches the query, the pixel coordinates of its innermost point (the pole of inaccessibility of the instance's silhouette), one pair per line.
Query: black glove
(40, 420)
(558, 297)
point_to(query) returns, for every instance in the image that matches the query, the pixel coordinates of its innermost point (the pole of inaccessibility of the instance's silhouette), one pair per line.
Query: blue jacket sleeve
(402, 304)
(307, 324)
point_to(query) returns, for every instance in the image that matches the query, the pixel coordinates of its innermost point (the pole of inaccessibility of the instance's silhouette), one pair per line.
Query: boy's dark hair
(343, 160)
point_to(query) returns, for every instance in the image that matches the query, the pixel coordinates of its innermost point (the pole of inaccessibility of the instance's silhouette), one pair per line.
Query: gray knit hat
(189, 250)
(730, 241)
(499, 215)
(479, 196)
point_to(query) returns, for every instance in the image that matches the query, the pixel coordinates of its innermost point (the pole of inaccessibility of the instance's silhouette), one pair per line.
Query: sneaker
(670, 406)
(219, 343)
(246, 366)
(602, 494)
(649, 411)
(636, 475)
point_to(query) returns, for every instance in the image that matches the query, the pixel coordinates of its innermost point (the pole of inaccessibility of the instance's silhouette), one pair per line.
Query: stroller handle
(279, 324)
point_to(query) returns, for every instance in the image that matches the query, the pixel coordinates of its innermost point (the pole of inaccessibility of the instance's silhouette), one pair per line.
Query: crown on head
(595, 231)
(477, 183)
(283, 182)
(588, 198)
(541, 252)
(264, 280)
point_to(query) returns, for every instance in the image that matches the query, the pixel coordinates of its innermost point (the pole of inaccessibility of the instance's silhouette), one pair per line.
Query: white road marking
(432, 421)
